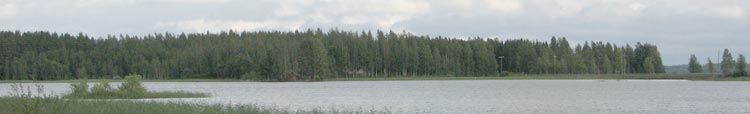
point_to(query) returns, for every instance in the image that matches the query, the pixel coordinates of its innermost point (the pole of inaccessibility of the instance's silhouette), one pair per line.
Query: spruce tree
(741, 65)
(694, 66)
(727, 63)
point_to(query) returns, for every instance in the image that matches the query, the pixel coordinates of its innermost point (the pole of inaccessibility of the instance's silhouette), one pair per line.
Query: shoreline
(690, 77)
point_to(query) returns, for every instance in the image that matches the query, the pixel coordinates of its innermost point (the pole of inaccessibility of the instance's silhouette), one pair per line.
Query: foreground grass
(23, 99)
(111, 80)
(56, 105)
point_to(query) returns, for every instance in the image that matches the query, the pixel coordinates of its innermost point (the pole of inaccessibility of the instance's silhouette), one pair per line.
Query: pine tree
(727, 63)
(741, 65)
(694, 66)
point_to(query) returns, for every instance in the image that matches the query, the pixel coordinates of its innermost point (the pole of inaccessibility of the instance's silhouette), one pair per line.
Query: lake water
(472, 96)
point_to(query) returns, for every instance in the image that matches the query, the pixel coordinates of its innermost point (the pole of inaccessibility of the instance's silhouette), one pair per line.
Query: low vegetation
(23, 100)
(131, 88)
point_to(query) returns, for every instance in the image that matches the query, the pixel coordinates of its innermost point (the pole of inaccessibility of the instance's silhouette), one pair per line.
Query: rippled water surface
(471, 96)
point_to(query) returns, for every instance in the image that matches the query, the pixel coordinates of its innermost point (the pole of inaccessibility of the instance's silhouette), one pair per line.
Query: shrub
(80, 88)
(104, 89)
(132, 86)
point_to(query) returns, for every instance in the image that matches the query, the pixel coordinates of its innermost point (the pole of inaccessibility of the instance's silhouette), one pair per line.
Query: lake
(471, 96)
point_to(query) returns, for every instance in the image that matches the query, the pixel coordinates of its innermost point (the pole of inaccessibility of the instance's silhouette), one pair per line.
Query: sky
(679, 27)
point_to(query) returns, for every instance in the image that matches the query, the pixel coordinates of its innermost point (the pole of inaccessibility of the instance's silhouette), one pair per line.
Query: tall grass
(24, 100)
(61, 106)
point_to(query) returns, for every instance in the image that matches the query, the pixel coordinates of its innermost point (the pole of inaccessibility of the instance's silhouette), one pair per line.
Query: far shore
(692, 77)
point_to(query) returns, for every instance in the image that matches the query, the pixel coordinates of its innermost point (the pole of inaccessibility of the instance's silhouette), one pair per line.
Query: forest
(312, 54)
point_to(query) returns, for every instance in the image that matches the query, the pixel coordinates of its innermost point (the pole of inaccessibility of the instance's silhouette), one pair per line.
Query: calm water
(485, 96)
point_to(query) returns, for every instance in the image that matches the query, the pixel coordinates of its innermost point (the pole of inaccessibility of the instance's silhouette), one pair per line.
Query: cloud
(383, 13)
(461, 4)
(505, 6)
(599, 10)
(104, 3)
(616, 10)
(8, 10)
(379, 13)
(199, 25)
(637, 6)
(291, 7)
(735, 12)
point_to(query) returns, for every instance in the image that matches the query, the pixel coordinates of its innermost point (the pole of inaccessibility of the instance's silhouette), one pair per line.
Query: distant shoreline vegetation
(666, 76)
(310, 55)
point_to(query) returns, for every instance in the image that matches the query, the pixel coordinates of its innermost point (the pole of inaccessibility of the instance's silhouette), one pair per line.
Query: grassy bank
(120, 80)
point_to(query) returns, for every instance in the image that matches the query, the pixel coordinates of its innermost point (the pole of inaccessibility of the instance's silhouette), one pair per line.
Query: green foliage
(14, 105)
(697, 76)
(102, 89)
(741, 66)
(304, 55)
(23, 100)
(131, 88)
(646, 59)
(727, 63)
(648, 66)
(694, 66)
(79, 88)
(250, 76)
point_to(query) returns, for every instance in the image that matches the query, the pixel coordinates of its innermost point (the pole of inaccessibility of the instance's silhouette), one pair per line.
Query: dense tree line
(305, 55)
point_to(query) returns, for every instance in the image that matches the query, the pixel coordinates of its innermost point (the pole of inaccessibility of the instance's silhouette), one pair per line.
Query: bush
(80, 88)
(104, 89)
(130, 89)
(132, 86)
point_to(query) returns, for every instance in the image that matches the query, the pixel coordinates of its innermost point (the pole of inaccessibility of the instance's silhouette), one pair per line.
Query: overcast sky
(678, 27)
